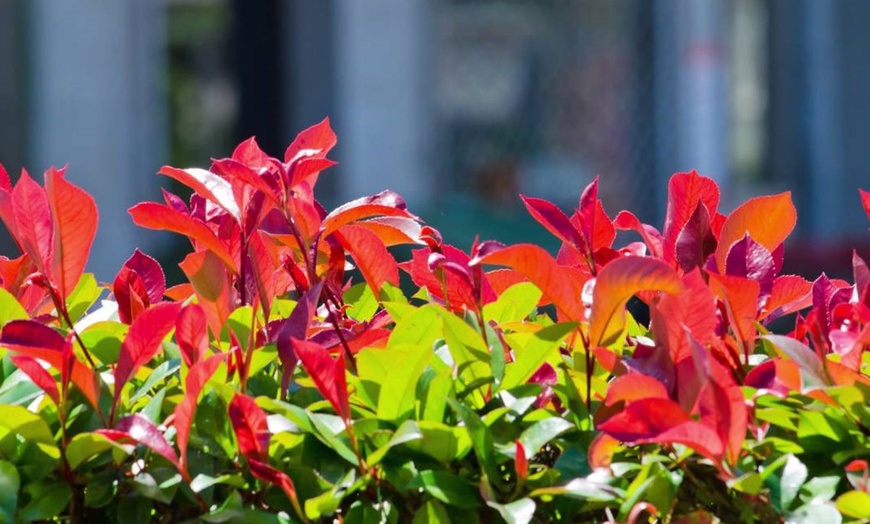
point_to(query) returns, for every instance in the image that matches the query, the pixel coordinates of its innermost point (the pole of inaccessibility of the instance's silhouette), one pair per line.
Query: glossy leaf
(371, 256)
(767, 219)
(812, 368)
(616, 283)
(327, 373)
(207, 184)
(143, 341)
(38, 375)
(250, 427)
(197, 377)
(157, 216)
(74, 220)
(315, 141)
(691, 199)
(141, 430)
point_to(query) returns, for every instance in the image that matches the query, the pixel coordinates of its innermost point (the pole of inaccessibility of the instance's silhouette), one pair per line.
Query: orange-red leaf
(74, 215)
(208, 276)
(617, 282)
(191, 334)
(561, 285)
(767, 219)
(152, 215)
(198, 376)
(370, 255)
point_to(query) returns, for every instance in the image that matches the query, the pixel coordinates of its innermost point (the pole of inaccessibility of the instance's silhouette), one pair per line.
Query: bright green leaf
(514, 304)
(532, 354)
(431, 512)
(10, 308)
(448, 488)
(855, 504)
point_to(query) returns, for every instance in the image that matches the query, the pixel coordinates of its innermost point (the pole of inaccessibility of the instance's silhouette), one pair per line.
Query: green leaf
(514, 304)
(583, 489)
(534, 352)
(10, 308)
(10, 483)
(431, 512)
(793, 476)
(86, 445)
(481, 438)
(104, 339)
(101, 489)
(542, 432)
(469, 351)
(517, 512)
(135, 510)
(820, 489)
(365, 512)
(398, 389)
(448, 488)
(202, 482)
(48, 497)
(362, 302)
(83, 296)
(815, 514)
(407, 432)
(422, 327)
(441, 442)
(16, 419)
(162, 371)
(855, 504)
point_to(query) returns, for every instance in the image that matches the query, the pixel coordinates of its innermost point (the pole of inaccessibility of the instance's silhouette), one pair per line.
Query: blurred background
(459, 105)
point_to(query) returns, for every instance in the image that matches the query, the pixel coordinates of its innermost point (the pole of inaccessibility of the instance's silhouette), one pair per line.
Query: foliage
(290, 379)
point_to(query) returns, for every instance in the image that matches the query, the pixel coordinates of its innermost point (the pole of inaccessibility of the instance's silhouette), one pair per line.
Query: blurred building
(456, 104)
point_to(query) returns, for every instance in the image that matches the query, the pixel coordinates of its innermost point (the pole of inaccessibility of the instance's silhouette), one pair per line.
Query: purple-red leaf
(617, 282)
(143, 431)
(251, 428)
(385, 203)
(555, 221)
(747, 258)
(695, 241)
(687, 191)
(767, 219)
(139, 284)
(327, 373)
(144, 340)
(208, 185)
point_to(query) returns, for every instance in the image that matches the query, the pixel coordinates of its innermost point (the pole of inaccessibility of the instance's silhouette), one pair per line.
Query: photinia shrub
(294, 378)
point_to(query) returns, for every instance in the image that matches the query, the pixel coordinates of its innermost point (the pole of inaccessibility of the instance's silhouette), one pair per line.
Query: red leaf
(626, 221)
(191, 334)
(327, 373)
(75, 216)
(144, 340)
(5, 183)
(295, 326)
(306, 170)
(316, 141)
(249, 153)
(34, 229)
(661, 421)
(776, 375)
(632, 387)
(267, 473)
(251, 428)
(197, 377)
(686, 191)
(243, 174)
(521, 463)
(747, 258)
(561, 285)
(385, 203)
(42, 378)
(695, 241)
(865, 201)
(740, 296)
(263, 268)
(139, 284)
(394, 230)
(601, 230)
(767, 219)
(723, 408)
(370, 255)
(555, 221)
(160, 217)
(460, 293)
(617, 282)
(790, 293)
(208, 276)
(208, 185)
(601, 450)
(143, 431)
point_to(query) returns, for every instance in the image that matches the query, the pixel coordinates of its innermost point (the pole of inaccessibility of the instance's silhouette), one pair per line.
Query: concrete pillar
(96, 103)
(383, 105)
